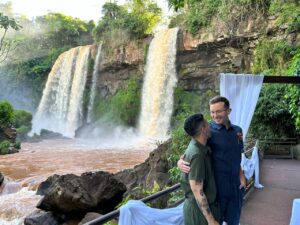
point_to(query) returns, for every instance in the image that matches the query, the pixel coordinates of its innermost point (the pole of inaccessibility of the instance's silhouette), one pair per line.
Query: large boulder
(149, 173)
(76, 195)
(48, 134)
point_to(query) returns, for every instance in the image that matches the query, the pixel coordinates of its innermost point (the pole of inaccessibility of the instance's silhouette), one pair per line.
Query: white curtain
(242, 91)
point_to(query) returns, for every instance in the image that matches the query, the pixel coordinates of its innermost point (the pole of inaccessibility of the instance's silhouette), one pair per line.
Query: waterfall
(159, 82)
(94, 84)
(60, 109)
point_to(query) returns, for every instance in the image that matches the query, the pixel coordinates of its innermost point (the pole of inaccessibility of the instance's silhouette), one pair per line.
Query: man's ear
(229, 111)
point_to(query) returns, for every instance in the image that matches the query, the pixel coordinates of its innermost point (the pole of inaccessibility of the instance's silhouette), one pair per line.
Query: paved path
(272, 205)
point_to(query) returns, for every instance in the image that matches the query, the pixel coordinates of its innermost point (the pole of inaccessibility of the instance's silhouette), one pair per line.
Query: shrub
(272, 118)
(22, 122)
(123, 107)
(271, 57)
(4, 147)
(6, 113)
(287, 13)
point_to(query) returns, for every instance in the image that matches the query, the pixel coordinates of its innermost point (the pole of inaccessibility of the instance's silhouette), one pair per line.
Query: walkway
(272, 205)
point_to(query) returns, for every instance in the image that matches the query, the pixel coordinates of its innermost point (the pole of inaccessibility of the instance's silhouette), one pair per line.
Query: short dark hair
(193, 124)
(217, 99)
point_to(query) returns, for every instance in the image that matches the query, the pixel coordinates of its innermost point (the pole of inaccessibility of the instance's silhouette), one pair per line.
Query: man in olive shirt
(200, 206)
(226, 143)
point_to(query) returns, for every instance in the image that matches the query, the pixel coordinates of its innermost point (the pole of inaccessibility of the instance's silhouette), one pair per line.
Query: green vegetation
(4, 147)
(6, 113)
(293, 91)
(277, 104)
(287, 13)
(136, 19)
(37, 46)
(195, 14)
(123, 107)
(62, 30)
(12, 118)
(272, 57)
(19, 119)
(22, 123)
(272, 118)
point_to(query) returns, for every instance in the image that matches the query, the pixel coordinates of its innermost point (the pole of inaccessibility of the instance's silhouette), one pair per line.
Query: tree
(6, 45)
(137, 18)
(61, 30)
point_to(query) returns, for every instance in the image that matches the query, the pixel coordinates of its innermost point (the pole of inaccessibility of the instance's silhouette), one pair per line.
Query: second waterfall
(159, 83)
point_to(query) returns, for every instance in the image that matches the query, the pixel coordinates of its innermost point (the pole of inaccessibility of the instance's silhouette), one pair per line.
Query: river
(25, 170)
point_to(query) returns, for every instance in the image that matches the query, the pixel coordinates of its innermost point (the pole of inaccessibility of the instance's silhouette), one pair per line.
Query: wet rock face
(119, 64)
(145, 175)
(76, 195)
(41, 218)
(199, 68)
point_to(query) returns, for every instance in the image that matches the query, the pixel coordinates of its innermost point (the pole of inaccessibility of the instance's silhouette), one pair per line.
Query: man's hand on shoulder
(183, 165)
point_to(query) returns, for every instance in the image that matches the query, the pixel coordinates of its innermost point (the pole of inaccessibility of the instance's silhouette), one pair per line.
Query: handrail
(109, 216)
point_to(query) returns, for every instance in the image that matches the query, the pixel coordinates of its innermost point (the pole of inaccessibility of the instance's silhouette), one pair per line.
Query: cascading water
(60, 109)
(94, 84)
(159, 82)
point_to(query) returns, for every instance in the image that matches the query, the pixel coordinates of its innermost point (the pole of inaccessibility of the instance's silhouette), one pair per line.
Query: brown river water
(35, 162)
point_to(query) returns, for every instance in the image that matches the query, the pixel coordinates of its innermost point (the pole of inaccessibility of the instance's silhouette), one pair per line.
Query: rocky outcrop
(224, 48)
(75, 195)
(119, 64)
(198, 69)
(8, 133)
(48, 134)
(145, 175)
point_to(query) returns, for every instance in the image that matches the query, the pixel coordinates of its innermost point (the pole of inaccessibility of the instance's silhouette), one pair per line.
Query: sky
(83, 9)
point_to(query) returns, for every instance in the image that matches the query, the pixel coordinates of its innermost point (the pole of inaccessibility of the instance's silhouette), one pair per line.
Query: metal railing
(109, 216)
(278, 147)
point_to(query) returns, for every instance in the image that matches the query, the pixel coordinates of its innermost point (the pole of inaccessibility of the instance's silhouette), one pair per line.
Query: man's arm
(197, 189)
(183, 165)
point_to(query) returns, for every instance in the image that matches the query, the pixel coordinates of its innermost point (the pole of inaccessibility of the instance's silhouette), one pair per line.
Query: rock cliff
(219, 48)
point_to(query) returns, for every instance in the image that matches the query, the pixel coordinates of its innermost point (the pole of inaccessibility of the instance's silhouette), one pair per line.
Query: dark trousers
(231, 206)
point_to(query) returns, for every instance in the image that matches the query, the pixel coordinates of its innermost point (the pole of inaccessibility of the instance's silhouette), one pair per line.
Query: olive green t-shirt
(201, 170)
